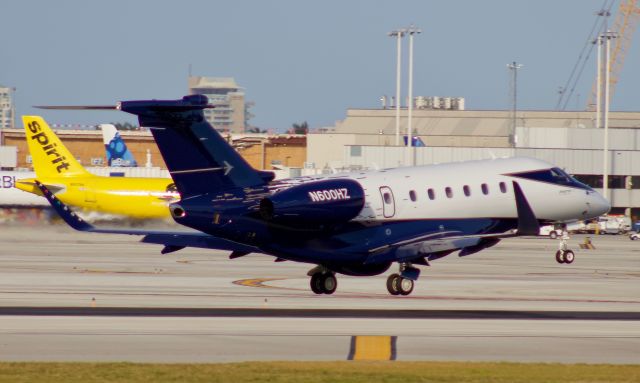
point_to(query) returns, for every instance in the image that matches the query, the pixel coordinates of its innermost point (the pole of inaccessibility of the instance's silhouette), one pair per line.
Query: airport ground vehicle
(550, 231)
(614, 224)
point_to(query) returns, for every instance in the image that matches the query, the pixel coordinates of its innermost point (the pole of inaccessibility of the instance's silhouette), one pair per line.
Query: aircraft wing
(172, 240)
(445, 242)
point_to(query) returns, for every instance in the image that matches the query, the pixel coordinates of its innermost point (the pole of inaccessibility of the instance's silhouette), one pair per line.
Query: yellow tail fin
(49, 155)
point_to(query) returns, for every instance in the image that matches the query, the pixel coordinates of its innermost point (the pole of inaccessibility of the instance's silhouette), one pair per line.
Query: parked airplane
(56, 167)
(117, 155)
(355, 223)
(117, 152)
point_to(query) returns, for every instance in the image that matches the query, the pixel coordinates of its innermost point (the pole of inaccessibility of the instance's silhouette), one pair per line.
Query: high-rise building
(6, 108)
(223, 92)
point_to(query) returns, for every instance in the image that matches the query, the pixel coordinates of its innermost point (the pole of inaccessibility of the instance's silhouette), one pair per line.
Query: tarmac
(70, 296)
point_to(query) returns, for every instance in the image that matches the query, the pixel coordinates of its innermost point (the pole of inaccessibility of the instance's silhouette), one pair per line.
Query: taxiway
(75, 296)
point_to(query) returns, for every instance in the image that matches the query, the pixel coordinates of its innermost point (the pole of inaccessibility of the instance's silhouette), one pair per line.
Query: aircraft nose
(599, 205)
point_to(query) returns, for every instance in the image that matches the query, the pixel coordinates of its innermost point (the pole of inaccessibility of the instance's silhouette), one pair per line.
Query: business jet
(355, 223)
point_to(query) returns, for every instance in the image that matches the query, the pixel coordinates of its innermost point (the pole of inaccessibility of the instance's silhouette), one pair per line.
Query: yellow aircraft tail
(49, 155)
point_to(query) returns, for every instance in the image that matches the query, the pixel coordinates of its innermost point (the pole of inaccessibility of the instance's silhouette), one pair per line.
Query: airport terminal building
(366, 138)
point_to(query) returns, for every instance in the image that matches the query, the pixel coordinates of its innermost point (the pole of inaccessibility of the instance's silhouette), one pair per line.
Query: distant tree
(302, 128)
(255, 129)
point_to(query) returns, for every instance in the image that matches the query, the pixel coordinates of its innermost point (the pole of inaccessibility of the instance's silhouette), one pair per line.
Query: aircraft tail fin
(49, 155)
(199, 159)
(117, 152)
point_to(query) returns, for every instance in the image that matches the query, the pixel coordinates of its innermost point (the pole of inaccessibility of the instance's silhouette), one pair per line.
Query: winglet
(527, 221)
(71, 218)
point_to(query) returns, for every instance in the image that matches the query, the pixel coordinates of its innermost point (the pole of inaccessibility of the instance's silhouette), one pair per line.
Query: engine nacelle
(323, 202)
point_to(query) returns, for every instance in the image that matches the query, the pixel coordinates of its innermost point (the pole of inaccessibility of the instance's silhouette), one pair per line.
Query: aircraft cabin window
(432, 194)
(412, 195)
(387, 198)
(503, 187)
(467, 190)
(485, 189)
(448, 192)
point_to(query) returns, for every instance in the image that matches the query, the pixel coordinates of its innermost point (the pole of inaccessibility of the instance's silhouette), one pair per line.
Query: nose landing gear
(564, 254)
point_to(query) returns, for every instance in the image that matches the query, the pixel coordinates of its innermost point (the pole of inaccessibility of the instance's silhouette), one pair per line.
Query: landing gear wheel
(560, 256)
(568, 256)
(323, 283)
(553, 235)
(329, 284)
(406, 286)
(316, 283)
(393, 284)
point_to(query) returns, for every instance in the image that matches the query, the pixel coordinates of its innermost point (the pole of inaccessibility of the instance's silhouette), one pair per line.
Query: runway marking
(259, 282)
(372, 347)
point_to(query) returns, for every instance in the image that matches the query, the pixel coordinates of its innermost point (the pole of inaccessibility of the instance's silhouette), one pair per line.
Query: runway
(76, 296)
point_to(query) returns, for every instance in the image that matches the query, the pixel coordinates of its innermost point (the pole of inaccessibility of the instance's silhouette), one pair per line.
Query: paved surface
(511, 302)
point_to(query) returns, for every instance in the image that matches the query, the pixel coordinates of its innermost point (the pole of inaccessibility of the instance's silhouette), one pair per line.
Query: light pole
(398, 34)
(607, 36)
(411, 31)
(513, 67)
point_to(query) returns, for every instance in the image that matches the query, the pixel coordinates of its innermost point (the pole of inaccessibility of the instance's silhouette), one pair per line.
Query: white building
(6, 108)
(229, 114)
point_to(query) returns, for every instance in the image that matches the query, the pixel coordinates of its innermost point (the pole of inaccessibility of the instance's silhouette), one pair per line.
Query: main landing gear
(323, 281)
(403, 283)
(397, 285)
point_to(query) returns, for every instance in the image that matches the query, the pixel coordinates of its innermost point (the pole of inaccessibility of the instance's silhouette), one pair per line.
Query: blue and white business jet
(355, 223)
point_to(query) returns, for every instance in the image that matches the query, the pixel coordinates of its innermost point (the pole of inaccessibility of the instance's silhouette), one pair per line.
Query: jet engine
(323, 202)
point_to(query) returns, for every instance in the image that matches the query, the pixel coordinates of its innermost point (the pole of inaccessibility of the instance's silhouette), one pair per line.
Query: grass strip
(351, 372)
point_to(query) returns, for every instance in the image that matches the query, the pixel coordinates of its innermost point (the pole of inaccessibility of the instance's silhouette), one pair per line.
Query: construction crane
(624, 25)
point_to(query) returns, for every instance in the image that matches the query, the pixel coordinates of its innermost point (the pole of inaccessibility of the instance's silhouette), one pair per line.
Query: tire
(569, 256)
(405, 286)
(329, 283)
(316, 283)
(559, 256)
(393, 284)
(553, 235)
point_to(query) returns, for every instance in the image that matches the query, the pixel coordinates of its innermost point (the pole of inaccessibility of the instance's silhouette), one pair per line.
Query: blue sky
(297, 60)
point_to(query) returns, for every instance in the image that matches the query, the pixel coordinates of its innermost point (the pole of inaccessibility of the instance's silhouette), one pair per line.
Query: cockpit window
(555, 176)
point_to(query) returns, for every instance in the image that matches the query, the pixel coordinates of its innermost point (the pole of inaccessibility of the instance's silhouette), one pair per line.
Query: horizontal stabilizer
(29, 185)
